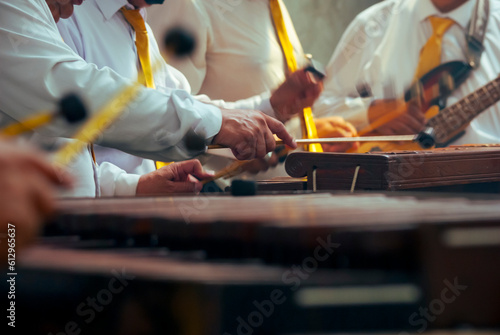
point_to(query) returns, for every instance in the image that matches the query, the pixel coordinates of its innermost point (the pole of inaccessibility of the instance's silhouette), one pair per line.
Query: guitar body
(432, 90)
(436, 85)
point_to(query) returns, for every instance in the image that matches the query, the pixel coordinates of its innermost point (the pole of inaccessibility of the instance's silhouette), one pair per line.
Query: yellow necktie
(135, 19)
(306, 119)
(430, 55)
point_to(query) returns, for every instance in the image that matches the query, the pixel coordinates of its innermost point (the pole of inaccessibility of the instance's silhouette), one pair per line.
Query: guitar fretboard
(453, 118)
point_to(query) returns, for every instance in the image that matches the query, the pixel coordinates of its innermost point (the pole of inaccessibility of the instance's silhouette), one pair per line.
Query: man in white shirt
(380, 51)
(236, 38)
(38, 68)
(233, 37)
(99, 33)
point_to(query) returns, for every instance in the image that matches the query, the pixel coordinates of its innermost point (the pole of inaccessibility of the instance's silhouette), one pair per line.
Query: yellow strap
(306, 120)
(283, 37)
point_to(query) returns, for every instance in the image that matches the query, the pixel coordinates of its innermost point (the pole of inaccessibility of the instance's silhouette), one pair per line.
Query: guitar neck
(453, 119)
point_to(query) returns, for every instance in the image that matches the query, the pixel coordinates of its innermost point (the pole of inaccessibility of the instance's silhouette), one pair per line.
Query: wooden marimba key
(209, 258)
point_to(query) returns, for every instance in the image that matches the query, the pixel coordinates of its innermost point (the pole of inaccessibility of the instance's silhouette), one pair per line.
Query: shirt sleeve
(194, 67)
(38, 68)
(115, 182)
(259, 102)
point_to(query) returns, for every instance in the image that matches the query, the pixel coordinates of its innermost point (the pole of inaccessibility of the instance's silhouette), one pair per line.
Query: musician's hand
(182, 177)
(299, 91)
(27, 189)
(336, 126)
(249, 133)
(62, 8)
(408, 117)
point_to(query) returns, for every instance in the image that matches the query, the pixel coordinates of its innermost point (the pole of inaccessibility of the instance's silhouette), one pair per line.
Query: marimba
(270, 264)
(450, 169)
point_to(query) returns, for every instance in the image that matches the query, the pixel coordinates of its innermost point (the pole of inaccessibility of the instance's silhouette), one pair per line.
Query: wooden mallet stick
(70, 107)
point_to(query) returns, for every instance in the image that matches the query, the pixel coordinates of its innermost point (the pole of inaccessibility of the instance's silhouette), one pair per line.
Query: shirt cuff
(126, 185)
(114, 181)
(211, 117)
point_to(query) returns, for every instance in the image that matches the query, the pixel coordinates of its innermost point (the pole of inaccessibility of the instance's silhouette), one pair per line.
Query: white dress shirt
(99, 33)
(37, 68)
(381, 48)
(237, 53)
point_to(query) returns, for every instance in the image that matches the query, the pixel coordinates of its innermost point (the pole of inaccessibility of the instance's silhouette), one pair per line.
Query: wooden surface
(374, 229)
(307, 209)
(169, 294)
(200, 263)
(430, 332)
(282, 184)
(399, 170)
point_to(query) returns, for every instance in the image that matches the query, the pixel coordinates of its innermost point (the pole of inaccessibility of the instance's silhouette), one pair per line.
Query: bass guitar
(431, 92)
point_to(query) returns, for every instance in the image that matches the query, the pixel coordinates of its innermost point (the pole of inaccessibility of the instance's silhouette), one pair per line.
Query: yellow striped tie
(306, 119)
